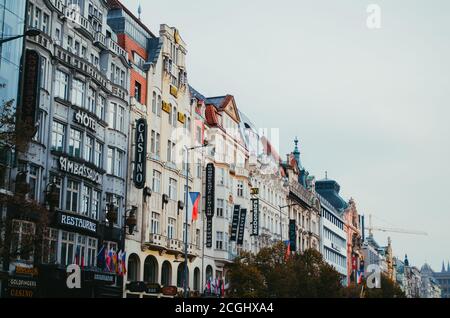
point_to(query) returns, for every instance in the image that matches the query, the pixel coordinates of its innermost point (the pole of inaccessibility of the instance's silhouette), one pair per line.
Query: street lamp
(186, 204)
(29, 32)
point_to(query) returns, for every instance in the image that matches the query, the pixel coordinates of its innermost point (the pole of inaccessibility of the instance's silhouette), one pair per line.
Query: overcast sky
(371, 107)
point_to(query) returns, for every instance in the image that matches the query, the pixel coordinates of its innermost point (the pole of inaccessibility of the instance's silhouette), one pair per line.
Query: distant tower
(297, 153)
(448, 267)
(406, 260)
(443, 267)
(139, 11)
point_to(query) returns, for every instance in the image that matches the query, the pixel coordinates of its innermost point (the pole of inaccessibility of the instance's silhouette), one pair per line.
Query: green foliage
(270, 274)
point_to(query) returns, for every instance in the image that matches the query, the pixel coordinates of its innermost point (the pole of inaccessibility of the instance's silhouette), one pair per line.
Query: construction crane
(372, 228)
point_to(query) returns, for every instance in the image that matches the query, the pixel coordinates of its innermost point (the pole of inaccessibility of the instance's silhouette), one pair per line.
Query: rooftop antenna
(139, 11)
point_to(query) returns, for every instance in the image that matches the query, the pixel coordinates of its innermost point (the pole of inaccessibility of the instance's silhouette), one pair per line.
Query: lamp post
(186, 204)
(29, 32)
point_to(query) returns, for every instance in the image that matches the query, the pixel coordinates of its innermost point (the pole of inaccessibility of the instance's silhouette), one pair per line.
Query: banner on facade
(140, 160)
(235, 223)
(240, 238)
(293, 235)
(209, 191)
(209, 230)
(255, 217)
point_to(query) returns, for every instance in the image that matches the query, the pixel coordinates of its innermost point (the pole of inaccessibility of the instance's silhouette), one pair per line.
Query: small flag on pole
(195, 200)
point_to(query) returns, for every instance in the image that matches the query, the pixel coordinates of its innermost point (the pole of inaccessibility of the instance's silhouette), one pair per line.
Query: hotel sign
(141, 154)
(293, 235)
(209, 229)
(79, 169)
(82, 118)
(255, 217)
(240, 238)
(209, 193)
(235, 223)
(77, 222)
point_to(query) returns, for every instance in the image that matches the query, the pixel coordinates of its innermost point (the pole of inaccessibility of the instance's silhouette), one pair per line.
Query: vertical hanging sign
(209, 232)
(209, 191)
(240, 238)
(255, 217)
(140, 162)
(293, 235)
(235, 223)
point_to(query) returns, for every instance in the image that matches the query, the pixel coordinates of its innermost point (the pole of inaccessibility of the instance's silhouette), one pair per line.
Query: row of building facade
(121, 141)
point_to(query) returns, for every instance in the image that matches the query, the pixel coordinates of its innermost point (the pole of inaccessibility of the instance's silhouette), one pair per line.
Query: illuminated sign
(85, 120)
(141, 153)
(255, 215)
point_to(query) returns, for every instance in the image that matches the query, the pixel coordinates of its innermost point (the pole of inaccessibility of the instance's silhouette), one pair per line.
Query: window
(67, 248)
(219, 240)
(174, 117)
(197, 238)
(96, 201)
(170, 151)
(58, 182)
(22, 240)
(155, 144)
(154, 101)
(73, 189)
(118, 163)
(78, 93)
(80, 250)
(199, 168)
(75, 143)
(137, 92)
(91, 100)
(116, 117)
(171, 228)
(159, 108)
(61, 85)
(91, 252)
(40, 129)
(44, 73)
(37, 18)
(86, 200)
(240, 189)
(34, 183)
(156, 182)
(89, 149)
(155, 223)
(173, 189)
(50, 246)
(115, 162)
(98, 155)
(220, 203)
(122, 79)
(112, 114)
(100, 111)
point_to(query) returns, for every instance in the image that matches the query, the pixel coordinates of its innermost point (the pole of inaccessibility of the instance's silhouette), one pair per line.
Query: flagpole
(186, 204)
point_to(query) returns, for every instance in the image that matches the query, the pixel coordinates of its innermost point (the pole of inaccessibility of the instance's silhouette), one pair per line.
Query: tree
(271, 274)
(389, 289)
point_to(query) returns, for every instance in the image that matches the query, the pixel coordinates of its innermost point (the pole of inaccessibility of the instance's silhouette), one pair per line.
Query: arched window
(209, 272)
(133, 268)
(166, 274)
(180, 276)
(150, 270)
(196, 279)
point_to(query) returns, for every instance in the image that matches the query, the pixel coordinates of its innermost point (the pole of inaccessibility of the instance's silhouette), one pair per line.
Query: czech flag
(195, 200)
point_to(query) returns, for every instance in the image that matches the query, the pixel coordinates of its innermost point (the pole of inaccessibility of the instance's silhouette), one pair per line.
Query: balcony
(82, 66)
(115, 48)
(81, 23)
(57, 5)
(156, 242)
(306, 196)
(100, 40)
(175, 246)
